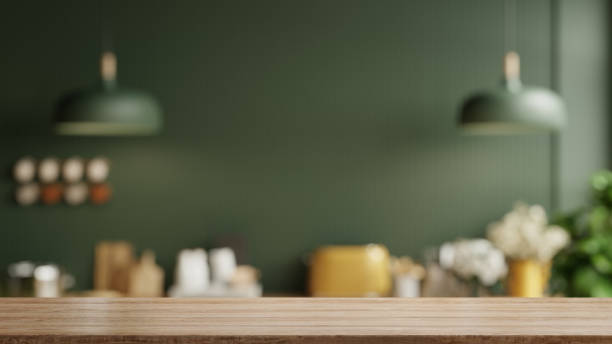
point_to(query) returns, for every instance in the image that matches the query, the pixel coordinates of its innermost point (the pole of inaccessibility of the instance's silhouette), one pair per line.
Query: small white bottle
(191, 273)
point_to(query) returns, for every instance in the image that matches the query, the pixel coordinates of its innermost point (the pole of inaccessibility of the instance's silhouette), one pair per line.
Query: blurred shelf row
(50, 181)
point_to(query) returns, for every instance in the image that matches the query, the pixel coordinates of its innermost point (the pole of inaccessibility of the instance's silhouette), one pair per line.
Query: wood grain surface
(305, 320)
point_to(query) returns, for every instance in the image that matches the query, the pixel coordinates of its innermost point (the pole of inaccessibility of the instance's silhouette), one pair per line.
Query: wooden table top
(306, 320)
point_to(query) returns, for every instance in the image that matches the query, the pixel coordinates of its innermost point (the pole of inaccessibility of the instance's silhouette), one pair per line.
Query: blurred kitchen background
(294, 125)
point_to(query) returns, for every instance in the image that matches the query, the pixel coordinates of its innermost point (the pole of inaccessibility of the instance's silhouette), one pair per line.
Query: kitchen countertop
(305, 320)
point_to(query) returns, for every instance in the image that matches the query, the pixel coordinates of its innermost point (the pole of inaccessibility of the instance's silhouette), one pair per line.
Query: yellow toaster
(350, 271)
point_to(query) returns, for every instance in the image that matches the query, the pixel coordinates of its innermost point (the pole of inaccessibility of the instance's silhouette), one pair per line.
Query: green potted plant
(585, 267)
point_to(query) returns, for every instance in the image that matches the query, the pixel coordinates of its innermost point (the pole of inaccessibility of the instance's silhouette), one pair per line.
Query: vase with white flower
(475, 261)
(529, 243)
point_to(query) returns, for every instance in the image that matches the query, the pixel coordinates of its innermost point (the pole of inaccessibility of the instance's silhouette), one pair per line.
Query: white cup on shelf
(222, 264)
(191, 277)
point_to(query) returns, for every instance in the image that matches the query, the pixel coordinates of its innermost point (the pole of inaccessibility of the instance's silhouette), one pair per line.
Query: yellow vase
(528, 278)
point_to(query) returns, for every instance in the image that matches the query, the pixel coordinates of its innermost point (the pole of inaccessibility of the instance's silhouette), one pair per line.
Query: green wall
(293, 124)
(583, 75)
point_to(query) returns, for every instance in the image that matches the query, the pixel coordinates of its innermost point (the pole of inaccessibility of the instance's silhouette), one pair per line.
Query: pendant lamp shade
(106, 109)
(512, 108)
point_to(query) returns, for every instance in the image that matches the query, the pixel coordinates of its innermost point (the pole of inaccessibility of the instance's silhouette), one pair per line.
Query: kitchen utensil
(27, 194)
(351, 271)
(191, 273)
(146, 277)
(99, 193)
(49, 170)
(222, 264)
(75, 194)
(112, 266)
(20, 279)
(24, 170)
(73, 170)
(98, 169)
(51, 194)
(407, 276)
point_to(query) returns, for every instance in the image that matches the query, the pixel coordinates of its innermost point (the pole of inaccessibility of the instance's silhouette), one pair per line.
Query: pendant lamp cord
(555, 139)
(108, 61)
(510, 26)
(106, 35)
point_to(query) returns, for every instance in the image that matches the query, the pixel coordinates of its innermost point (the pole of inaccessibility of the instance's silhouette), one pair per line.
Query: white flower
(524, 233)
(538, 215)
(474, 258)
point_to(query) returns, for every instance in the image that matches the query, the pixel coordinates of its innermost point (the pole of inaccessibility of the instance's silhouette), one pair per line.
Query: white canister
(222, 264)
(191, 273)
(405, 285)
(47, 281)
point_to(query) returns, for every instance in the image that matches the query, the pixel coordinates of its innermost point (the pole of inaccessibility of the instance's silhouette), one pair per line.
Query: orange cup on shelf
(99, 193)
(51, 193)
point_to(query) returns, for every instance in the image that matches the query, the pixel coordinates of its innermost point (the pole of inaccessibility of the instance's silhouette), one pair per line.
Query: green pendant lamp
(512, 108)
(106, 109)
